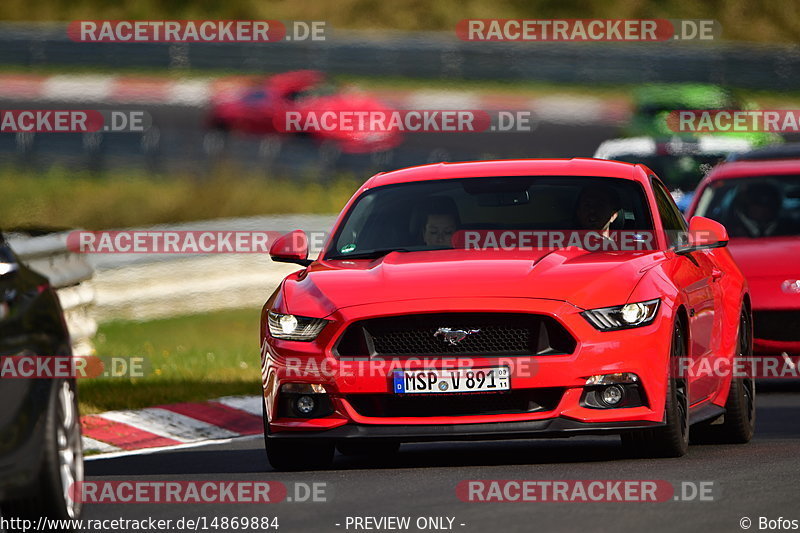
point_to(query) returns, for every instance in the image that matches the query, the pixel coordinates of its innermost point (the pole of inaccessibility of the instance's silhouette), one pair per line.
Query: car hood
(771, 257)
(584, 279)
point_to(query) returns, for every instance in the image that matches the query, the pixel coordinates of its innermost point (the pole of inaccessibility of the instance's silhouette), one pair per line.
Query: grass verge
(185, 359)
(59, 198)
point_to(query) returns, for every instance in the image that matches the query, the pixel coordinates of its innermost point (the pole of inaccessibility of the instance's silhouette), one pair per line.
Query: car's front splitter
(550, 427)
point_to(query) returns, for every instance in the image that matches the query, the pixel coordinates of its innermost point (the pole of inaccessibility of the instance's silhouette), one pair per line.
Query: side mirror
(704, 233)
(291, 248)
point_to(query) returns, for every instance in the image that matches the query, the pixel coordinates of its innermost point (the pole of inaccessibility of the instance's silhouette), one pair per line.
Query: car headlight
(626, 316)
(294, 328)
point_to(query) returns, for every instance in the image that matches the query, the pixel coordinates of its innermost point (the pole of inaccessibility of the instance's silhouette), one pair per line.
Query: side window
(671, 217)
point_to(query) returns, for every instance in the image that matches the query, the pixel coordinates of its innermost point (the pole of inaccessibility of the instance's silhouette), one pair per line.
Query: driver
(757, 210)
(441, 222)
(597, 208)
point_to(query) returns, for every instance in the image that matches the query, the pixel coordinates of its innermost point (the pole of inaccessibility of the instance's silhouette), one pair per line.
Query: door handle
(716, 274)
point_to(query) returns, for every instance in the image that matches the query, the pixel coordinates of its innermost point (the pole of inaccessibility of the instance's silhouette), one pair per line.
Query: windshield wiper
(371, 254)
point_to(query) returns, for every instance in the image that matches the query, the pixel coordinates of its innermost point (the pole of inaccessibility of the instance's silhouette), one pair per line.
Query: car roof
(746, 169)
(691, 94)
(647, 146)
(511, 167)
(295, 80)
(773, 151)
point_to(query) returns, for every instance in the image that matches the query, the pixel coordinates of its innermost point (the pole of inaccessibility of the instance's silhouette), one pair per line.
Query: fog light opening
(305, 405)
(612, 395)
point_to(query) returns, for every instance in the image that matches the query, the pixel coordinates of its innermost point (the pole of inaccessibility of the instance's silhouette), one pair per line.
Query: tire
(296, 453)
(672, 439)
(62, 461)
(378, 448)
(738, 422)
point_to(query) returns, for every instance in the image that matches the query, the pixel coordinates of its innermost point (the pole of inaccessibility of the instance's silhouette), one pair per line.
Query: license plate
(430, 381)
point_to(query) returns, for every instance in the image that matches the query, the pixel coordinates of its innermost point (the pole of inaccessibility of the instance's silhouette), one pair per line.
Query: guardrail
(427, 55)
(70, 274)
(149, 286)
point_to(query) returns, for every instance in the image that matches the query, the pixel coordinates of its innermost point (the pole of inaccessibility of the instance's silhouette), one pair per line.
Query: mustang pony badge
(454, 336)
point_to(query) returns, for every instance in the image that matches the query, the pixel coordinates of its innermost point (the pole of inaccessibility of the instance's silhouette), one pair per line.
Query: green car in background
(680, 162)
(654, 102)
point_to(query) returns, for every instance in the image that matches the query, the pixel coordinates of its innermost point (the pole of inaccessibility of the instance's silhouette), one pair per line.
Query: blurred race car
(260, 108)
(41, 454)
(401, 331)
(759, 204)
(654, 102)
(680, 162)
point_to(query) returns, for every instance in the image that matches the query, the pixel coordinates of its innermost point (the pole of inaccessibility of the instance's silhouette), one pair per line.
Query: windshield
(314, 91)
(754, 207)
(430, 215)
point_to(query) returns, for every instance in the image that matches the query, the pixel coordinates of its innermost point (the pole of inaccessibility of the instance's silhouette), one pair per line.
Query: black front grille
(426, 405)
(776, 325)
(490, 334)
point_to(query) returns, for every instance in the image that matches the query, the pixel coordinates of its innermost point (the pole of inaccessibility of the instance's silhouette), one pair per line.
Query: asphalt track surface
(756, 480)
(181, 142)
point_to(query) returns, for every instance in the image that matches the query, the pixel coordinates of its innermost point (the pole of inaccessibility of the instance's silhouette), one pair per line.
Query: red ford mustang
(506, 299)
(262, 109)
(759, 204)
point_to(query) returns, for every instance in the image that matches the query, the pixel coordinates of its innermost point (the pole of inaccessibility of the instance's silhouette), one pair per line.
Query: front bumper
(642, 351)
(769, 347)
(776, 331)
(776, 317)
(552, 427)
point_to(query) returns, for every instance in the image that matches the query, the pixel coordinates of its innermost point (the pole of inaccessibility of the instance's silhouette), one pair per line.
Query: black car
(41, 454)
(772, 151)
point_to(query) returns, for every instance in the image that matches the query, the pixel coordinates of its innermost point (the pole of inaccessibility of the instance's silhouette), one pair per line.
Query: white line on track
(168, 424)
(96, 445)
(148, 451)
(248, 404)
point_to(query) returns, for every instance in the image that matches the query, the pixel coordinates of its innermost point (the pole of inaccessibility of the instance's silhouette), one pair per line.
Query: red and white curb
(201, 92)
(172, 425)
